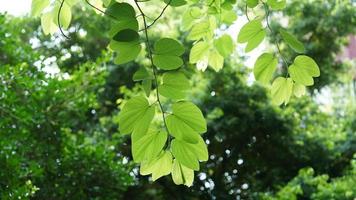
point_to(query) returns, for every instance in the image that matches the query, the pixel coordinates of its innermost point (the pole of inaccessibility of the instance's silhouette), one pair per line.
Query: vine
(175, 145)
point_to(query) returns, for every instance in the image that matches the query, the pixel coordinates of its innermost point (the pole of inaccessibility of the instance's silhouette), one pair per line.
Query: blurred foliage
(58, 133)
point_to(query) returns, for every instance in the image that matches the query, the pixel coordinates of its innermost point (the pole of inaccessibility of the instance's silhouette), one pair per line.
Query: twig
(270, 28)
(58, 20)
(153, 66)
(159, 16)
(98, 9)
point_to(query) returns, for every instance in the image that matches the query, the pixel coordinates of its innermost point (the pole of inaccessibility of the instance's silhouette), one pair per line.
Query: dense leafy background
(59, 136)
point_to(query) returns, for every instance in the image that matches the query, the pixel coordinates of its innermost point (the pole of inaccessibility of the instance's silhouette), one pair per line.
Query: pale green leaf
(252, 3)
(277, 4)
(292, 41)
(264, 67)
(38, 6)
(224, 45)
(303, 70)
(216, 61)
(299, 90)
(148, 146)
(184, 155)
(47, 24)
(281, 91)
(136, 116)
(182, 174)
(190, 114)
(166, 54)
(127, 51)
(174, 85)
(198, 52)
(160, 166)
(253, 33)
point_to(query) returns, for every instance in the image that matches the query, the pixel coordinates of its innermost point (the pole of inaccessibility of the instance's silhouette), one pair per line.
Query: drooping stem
(154, 69)
(271, 30)
(59, 21)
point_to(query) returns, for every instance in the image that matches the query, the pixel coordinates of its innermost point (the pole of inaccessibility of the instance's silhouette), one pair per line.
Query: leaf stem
(271, 30)
(154, 69)
(59, 21)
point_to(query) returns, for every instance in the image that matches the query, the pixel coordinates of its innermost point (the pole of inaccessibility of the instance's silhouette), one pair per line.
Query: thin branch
(159, 16)
(58, 20)
(153, 66)
(98, 9)
(271, 30)
(248, 18)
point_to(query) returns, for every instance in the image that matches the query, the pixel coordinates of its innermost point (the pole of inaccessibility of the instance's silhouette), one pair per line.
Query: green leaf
(292, 41)
(126, 35)
(127, 51)
(282, 89)
(253, 33)
(216, 61)
(174, 85)
(182, 174)
(65, 16)
(264, 67)
(228, 16)
(190, 154)
(252, 3)
(199, 51)
(277, 4)
(186, 122)
(119, 10)
(147, 86)
(175, 3)
(224, 45)
(38, 6)
(190, 114)
(189, 17)
(47, 24)
(142, 74)
(136, 116)
(303, 70)
(299, 90)
(148, 146)
(158, 167)
(199, 30)
(166, 54)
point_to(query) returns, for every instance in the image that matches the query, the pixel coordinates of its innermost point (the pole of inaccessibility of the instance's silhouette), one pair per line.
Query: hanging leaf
(282, 89)
(174, 85)
(65, 16)
(253, 33)
(182, 174)
(224, 45)
(126, 35)
(126, 51)
(167, 54)
(142, 74)
(303, 70)
(186, 122)
(299, 90)
(216, 61)
(147, 147)
(136, 116)
(292, 41)
(277, 4)
(264, 67)
(160, 166)
(190, 154)
(252, 3)
(198, 52)
(47, 24)
(37, 6)
(175, 3)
